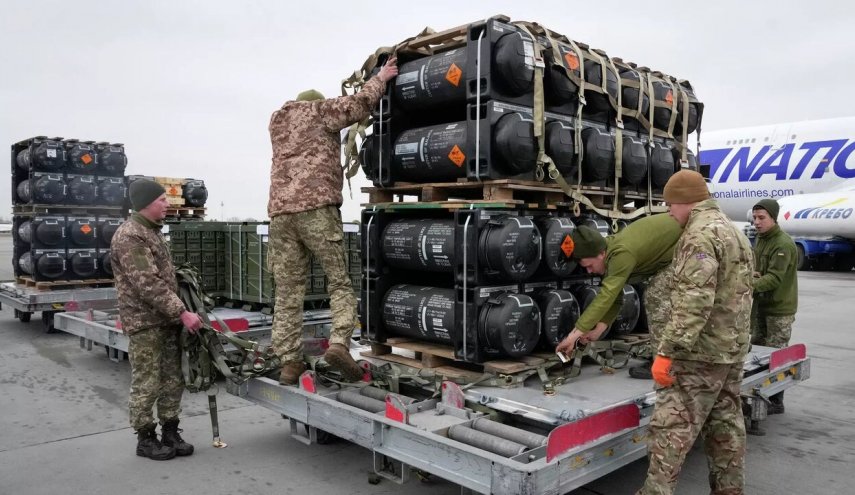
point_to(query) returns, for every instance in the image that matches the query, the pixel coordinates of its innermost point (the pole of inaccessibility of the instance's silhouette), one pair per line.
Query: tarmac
(64, 426)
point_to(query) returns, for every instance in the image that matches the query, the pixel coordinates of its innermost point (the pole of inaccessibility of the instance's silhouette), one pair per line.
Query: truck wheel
(802, 262)
(47, 320)
(24, 316)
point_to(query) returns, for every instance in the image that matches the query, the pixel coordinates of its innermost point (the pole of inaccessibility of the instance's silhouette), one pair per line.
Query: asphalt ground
(64, 427)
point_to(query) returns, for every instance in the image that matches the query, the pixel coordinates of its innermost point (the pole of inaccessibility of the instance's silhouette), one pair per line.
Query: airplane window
(753, 140)
(793, 137)
(766, 139)
(728, 142)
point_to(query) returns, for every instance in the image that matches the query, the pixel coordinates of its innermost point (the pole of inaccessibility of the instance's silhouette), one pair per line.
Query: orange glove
(662, 371)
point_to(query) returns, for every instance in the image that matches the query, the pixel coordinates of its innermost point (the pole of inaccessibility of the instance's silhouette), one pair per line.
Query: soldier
(305, 195)
(698, 367)
(152, 315)
(640, 251)
(776, 291)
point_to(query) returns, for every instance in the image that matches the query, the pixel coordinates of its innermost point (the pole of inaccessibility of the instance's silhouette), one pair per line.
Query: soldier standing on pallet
(698, 367)
(306, 180)
(776, 291)
(643, 249)
(153, 316)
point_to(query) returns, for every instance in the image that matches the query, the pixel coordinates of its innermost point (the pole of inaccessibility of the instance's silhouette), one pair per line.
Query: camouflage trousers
(704, 399)
(156, 377)
(293, 238)
(771, 331)
(657, 305)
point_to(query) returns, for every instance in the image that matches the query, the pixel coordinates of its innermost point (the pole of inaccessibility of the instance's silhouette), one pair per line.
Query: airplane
(809, 167)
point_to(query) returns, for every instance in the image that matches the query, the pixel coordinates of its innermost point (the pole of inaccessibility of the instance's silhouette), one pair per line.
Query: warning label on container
(456, 156)
(173, 191)
(85, 228)
(567, 246)
(453, 74)
(572, 60)
(86, 159)
(669, 98)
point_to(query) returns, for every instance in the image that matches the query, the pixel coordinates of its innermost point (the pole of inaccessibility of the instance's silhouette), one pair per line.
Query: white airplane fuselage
(809, 167)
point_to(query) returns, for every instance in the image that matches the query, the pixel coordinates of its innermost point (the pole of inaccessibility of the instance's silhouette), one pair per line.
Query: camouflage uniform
(150, 312)
(707, 338)
(306, 180)
(641, 250)
(657, 304)
(293, 238)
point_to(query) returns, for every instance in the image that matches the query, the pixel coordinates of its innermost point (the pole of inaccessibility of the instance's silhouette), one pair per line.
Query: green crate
(179, 258)
(194, 259)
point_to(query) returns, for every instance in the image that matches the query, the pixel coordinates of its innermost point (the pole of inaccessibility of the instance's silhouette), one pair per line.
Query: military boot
(170, 436)
(642, 372)
(339, 359)
(149, 446)
(291, 372)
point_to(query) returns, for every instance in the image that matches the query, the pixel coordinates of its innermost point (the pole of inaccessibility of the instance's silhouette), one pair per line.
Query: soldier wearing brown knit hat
(698, 365)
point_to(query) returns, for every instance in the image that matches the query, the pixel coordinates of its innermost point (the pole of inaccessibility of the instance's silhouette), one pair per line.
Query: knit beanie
(310, 95)
(769, 205)
(587, 242)
(143, 192)
(686, 186)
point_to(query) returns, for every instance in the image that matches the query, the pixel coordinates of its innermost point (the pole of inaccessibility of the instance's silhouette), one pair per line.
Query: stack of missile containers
(68, 198)
(496, 279)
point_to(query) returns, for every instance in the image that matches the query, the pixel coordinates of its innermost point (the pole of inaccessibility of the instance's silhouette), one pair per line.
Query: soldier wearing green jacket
(698, 367)
(641, 251)
(776, 290)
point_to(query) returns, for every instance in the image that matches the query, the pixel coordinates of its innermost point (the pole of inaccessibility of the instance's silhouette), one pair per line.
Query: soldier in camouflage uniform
(642, 251)
(698, 368)
(152, 316)
(776, 290)
(306, 180)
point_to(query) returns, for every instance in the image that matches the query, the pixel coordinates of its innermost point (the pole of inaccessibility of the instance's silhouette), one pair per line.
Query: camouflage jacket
(632, 255)
(712, 294)
(776, 290)
(145, 277)
(306, 173)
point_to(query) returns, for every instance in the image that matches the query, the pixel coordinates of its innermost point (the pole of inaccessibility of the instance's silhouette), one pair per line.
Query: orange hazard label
(567, 246)
(456, 156)
(453, 74)
(173, 191)
(572, 60)
(85, 228)
(86, 159)
(669, 97)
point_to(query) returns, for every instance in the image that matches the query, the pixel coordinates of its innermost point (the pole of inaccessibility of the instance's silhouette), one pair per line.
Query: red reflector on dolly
(588, 429)
(787, 356)
(234, 324)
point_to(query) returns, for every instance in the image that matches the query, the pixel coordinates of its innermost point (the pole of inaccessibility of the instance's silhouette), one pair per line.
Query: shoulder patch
(701, 256)
(140, 258)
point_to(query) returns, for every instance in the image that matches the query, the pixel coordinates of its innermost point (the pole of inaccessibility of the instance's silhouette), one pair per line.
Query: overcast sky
(189, 86)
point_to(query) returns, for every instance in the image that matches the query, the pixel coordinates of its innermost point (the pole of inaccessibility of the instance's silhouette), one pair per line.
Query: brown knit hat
(686, 186)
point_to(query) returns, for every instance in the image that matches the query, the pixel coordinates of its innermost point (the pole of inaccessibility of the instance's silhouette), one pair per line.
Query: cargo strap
(544, 160)
(202, 353)
(609, 354)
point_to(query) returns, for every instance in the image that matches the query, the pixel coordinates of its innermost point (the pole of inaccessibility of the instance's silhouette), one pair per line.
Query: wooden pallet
(440, 359)
(503, 190)
(186, 212)
(65, 284)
